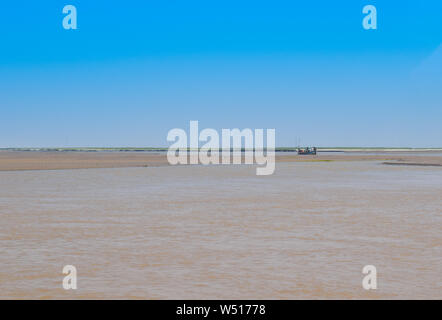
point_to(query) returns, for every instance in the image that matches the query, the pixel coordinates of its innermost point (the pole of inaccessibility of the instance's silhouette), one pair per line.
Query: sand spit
(59, 160)
(36, 160)
(413, 164)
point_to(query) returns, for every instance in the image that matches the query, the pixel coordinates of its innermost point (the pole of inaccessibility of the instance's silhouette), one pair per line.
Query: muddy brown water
(209, 232)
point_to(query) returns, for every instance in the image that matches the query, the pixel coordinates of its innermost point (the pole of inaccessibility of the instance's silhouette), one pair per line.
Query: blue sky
(134, 70)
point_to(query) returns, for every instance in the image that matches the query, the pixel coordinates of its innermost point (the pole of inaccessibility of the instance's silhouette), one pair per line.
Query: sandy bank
(36, 160)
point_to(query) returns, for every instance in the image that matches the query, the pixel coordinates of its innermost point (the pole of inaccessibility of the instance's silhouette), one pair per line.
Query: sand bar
(58, 160)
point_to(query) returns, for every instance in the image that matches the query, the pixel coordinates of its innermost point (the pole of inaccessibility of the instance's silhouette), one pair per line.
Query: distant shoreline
(278, 149)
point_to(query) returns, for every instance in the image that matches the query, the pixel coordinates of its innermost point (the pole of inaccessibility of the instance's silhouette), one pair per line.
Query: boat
(307, 151)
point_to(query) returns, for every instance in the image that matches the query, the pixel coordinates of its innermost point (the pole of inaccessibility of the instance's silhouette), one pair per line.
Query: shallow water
(198, 232)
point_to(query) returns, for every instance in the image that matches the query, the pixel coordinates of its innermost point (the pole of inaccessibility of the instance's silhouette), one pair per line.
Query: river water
(197, 232)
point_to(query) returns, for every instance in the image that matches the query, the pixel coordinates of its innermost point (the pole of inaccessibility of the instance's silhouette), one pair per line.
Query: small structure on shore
(307, 150)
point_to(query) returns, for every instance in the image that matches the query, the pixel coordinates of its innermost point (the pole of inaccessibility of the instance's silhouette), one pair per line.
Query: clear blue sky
(135, 69)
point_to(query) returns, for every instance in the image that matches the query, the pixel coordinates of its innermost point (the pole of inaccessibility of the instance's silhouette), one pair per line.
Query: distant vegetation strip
(163, 149)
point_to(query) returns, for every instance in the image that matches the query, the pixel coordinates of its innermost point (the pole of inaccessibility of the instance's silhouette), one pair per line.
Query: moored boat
(306, 151)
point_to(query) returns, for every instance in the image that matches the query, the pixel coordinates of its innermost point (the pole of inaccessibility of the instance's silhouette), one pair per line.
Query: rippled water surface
(223, 232)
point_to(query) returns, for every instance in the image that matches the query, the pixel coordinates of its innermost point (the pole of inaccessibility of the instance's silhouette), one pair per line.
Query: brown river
(221, 232)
